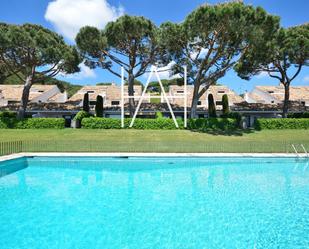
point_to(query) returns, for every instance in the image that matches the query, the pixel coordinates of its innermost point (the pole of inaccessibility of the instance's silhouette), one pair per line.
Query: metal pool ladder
(304, 149)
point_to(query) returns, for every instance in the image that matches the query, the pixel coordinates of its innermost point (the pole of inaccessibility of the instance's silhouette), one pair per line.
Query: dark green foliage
(281, 123)
(99, 106)
(82, 114)
(211, 107)
(212, 39)
(225, 105)
(141, 124)
(299, 115)
(32, 123)
(208, 124)
(8, 114)
(86, 103)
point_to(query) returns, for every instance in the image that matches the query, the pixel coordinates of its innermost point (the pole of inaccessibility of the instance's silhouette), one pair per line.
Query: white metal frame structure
(154, 71)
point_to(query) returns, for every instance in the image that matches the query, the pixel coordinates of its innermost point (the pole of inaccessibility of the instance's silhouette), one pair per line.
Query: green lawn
(71, 140)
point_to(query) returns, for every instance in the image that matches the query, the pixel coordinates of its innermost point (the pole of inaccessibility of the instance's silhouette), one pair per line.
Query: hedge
(205, 124)
(32, 123)
(201, 124)
(281, 123)
(140, 123)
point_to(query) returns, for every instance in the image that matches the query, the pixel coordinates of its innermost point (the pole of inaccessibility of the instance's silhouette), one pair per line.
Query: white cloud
(164, 73)
(68, 16)
(85, 73)
(262, 75)
(306, 78)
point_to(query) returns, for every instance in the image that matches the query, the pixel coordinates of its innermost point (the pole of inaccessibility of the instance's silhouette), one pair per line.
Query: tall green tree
(282, 58)
(212, 39)
(86, 103)
(32, 52)
(225, 105)
(129, 42)
(99, 106)
(212, 113)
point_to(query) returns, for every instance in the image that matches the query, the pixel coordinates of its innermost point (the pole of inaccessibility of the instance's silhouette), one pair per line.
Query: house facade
(11, 94)
(274, 95)
(217, 91)
(111, 95)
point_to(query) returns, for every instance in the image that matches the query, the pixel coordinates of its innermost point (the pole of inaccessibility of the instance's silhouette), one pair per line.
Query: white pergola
(154, 71)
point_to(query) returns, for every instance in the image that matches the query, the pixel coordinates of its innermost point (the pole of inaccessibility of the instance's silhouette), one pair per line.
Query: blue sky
(65, 16)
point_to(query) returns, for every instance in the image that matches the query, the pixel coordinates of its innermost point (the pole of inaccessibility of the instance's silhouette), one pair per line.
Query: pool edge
(62, 154)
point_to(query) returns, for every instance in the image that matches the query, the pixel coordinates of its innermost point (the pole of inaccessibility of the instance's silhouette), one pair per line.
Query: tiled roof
(14, 92)
(297, 93)
(294, 106)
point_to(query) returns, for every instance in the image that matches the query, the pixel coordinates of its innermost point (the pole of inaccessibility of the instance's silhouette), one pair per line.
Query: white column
(185, 97)
(122, 97)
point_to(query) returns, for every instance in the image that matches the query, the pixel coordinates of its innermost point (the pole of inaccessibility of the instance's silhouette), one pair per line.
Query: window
(90, 91)
(303, 103)
(92, 102)
(270, 91)
(116, 102)
(199, 102)
(222, 91)
(272, 102)
(218, 102)
(180, 91)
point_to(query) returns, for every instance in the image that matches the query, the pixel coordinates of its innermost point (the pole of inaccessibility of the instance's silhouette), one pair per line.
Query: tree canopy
(129, 42)
(282, 57)
(31, 52)
(212, 39)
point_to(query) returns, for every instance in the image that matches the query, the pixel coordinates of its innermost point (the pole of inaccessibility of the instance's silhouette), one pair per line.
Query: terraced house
(11, 94)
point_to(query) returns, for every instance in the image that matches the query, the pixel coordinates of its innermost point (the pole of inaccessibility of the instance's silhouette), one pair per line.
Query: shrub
(211, 107)
(41, 123)
(225, 105)
(281, 123)
(99, 106)
(86, 102)
(206, 124)
(142, 124)
(159, 115)
(8, 114)
(7, 122)
(82, 114)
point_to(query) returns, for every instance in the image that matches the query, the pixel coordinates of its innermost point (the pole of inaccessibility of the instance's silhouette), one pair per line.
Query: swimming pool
(165, 202)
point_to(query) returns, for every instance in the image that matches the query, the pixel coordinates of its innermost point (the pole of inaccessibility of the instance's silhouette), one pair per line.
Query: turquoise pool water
(145, 203)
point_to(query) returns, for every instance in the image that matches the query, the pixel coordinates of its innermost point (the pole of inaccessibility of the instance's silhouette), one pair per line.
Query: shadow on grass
(238, 132)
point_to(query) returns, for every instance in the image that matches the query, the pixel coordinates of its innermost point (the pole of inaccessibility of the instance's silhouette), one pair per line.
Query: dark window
(40, 91)
(199, 102)
(221, 91)
(180, 91)
(115, 102)
(92, 102)
(272, 101)
(270, 91)
(218, 102)
(90, 91)
(303, 103)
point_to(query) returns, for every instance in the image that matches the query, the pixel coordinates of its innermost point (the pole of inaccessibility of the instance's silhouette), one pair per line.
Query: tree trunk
(25, 97)
(194, 102)
(286, 100)
(131, 93)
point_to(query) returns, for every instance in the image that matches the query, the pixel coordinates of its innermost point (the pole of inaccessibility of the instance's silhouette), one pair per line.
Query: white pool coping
(61, 154)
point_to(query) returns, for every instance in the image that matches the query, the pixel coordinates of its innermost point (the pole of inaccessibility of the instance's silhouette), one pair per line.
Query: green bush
(159, 115)
(142, 124)
(281, 123)
(41, 123)
(6, 123)
(206, 124)
(82, 114)
(7, 114)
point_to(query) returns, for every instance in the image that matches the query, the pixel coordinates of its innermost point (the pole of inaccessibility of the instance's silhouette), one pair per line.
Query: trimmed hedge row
(140, 123)
(281, 123)
(205, 124)
(201, 124)
(32, 123)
